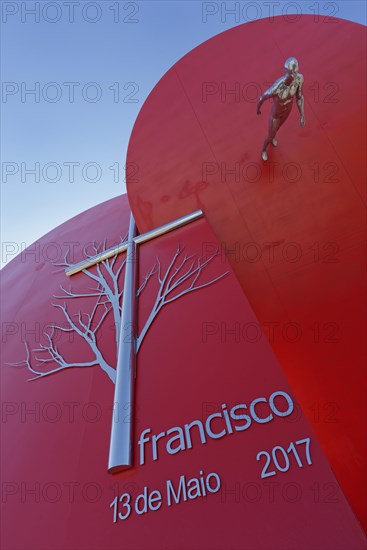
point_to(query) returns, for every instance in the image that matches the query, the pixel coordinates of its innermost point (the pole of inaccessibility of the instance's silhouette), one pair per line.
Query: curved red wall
(56, 492)
(293, 229)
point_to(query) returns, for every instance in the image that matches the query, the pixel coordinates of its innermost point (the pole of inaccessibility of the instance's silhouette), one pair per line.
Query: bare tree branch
(175, 277)
(107, 296)
(147, 277)
(182, 276)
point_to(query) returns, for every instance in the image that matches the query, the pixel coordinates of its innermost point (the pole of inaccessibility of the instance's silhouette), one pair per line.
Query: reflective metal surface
(109, 253)
(180, 222)
(121, 442)
(282, 91)
(105, 255)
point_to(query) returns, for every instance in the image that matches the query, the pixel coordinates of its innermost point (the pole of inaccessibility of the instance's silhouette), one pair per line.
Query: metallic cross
(121, 442)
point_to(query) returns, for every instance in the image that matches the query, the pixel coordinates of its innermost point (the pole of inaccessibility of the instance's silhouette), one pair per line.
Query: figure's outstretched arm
(301, 103)
(266, 95)
(270, 92)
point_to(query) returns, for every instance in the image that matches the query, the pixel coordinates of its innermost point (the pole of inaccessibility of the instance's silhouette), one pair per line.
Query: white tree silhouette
(181, 277)
(85, 325)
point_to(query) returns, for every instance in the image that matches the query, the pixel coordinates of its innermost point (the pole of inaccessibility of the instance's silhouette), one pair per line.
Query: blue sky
(91, 66)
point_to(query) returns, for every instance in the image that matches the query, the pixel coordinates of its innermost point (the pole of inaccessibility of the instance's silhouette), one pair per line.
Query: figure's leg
(282, 120)
(274, 124)
(284, 117)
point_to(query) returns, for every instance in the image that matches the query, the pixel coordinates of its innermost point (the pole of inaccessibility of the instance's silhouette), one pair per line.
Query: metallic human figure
(283, 91)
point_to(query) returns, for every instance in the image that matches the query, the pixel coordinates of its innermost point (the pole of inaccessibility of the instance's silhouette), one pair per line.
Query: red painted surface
(56, 490)
(294, 229)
